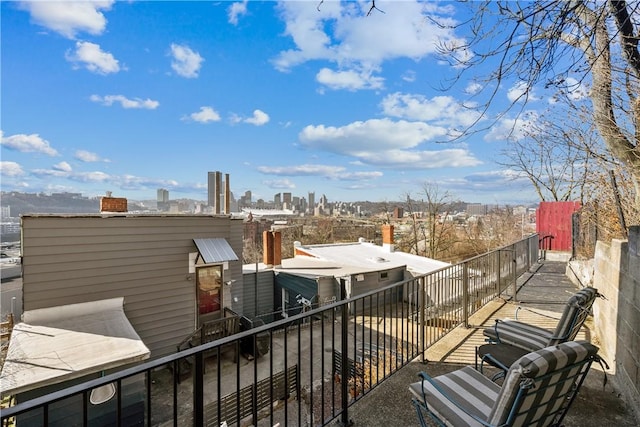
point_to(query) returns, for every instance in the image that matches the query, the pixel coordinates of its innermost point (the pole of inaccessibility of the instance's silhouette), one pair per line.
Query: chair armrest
(425, 377)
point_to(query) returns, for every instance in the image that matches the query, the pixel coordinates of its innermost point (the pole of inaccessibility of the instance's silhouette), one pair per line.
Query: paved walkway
(542, 296)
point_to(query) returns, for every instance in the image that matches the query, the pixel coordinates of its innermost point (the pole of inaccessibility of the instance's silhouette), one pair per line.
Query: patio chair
(532, 338)
(537, 390)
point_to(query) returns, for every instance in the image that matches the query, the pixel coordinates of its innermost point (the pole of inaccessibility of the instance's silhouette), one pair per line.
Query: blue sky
(130, 97)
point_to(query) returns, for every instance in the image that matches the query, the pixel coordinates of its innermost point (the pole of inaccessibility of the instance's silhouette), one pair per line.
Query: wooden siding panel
(69, 259)
(262, 302)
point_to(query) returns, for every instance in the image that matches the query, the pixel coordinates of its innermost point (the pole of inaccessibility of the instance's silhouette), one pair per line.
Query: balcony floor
(545, 291)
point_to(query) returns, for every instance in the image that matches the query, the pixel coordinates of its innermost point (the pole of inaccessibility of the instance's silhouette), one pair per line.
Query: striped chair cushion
(519, 334)
(574, 315)
(548, 395)
(534, 338)
(467, 387)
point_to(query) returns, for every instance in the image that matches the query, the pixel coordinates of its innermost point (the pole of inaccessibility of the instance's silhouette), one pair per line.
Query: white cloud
(383, 142)
(422, 159)
(326, 171)
(440, 110)
(10, 169)
(125, 102)
(521, 92)
(358, 176)
(69, 17)
(512, 129)
(493, 181)
(576, 90)
(409, 76)
(64, 171)
(236, 10)
(370, 135)
(302, 170)
(93, 58)
(185, 62)
(259, 118)
(473, 88)
(205, 115)
(62, 167)
(341, 32)
(28, 144)
(351, 80)
(88, 157)
(280, 184)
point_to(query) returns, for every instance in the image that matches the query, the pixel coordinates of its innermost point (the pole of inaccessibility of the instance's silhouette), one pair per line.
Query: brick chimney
(277, 249)
(267, 248)
(272, 248)
(387, 237)
(113, 204)
(227, 195)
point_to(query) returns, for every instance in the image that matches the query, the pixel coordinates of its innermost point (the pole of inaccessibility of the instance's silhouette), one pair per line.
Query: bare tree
(410, 243)
(556, 156)
(548, 41)
(438, 232)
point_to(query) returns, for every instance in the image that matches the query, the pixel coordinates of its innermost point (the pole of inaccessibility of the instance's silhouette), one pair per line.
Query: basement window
(384, 275)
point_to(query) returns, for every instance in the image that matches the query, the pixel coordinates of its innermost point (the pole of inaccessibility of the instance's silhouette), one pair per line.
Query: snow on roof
(61, 343)
(370, 256)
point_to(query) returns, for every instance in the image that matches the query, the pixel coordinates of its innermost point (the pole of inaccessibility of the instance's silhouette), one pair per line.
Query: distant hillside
(64, 203)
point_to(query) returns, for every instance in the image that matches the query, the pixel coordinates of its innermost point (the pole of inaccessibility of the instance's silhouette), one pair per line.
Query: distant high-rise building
(312, 202)
(245, 201)
(163, 195)
(477, 209)
(214, 189)
(162, 199)
(227, 194)
(5, 212)
(286, 198)
(277, 201)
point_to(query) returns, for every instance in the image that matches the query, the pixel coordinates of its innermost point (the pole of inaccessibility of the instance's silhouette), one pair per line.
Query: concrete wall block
(629, 365)
(634, 241)
(618, 249)
(617, 319)
(625, 333)
(634, 344)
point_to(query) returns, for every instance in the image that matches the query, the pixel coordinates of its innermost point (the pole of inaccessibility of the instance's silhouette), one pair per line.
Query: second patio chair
(532, 338)
(537, 390)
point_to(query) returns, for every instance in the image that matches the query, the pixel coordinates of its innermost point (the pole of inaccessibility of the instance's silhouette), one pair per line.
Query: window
(384, 275)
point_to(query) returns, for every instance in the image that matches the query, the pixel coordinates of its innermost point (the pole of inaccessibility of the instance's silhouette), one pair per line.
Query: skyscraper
(162, 200)
(214, 184)
(312, 201)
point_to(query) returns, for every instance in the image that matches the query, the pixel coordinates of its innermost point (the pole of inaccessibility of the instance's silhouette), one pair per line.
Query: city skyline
(284, 96)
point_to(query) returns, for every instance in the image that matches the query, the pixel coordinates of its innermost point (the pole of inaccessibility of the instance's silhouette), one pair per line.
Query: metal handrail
(383, 319)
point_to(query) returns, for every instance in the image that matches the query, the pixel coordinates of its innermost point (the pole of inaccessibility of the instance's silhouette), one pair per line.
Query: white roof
(57, 344)
(311, 267)
(369, 256)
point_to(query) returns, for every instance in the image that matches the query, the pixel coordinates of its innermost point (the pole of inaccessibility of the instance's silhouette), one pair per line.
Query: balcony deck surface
(544, 291)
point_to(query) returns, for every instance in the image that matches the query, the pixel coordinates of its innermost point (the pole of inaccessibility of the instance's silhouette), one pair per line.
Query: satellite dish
(102, 394)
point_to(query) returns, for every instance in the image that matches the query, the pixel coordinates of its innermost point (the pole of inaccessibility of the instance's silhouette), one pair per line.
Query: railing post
(344, 383)
(499, 277)
(515, 274)
(198, 390)
(465, 293)
(422, 317)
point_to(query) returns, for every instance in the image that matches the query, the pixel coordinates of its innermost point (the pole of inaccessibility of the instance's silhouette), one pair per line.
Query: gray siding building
(152, 261)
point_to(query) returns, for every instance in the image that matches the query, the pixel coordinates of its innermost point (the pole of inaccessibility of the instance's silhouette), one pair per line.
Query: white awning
(215, 250)
(57, 344)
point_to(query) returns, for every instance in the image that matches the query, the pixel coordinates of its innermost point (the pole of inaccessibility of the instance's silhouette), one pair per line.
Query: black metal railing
(317, 365)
